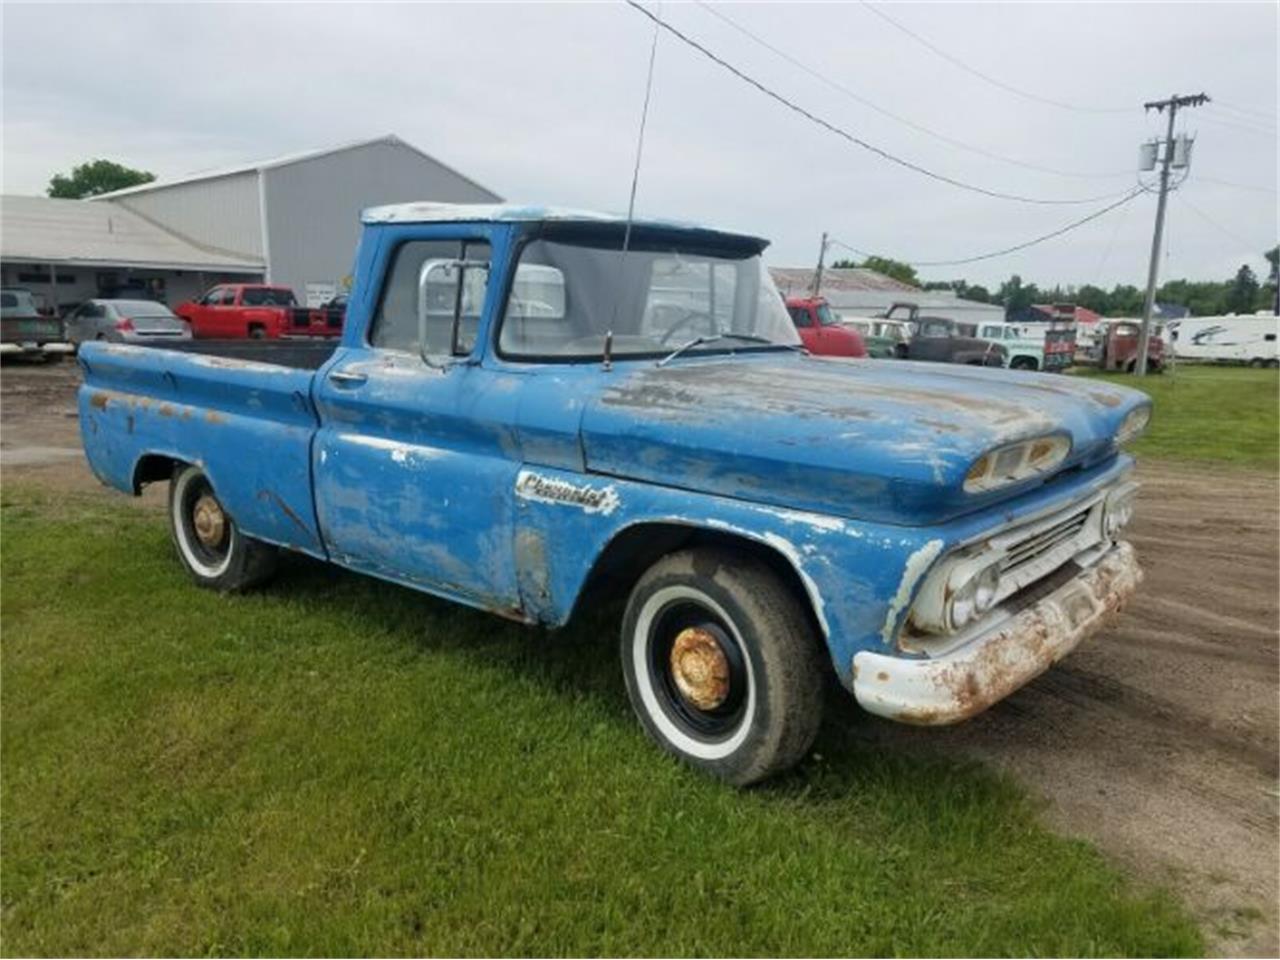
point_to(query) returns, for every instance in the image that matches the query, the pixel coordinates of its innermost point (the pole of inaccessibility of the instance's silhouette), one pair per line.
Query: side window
(395, 324)
(800, 315)
(211, 297)
(229, 297)
(937, 330)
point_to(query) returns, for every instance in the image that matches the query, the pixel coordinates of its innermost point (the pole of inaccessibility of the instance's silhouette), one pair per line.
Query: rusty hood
(879, 440)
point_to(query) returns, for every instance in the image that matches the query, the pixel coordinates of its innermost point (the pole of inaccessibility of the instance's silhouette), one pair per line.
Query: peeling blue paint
(502, 484)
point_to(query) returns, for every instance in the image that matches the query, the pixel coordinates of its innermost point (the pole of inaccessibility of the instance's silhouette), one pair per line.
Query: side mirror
(454, 275)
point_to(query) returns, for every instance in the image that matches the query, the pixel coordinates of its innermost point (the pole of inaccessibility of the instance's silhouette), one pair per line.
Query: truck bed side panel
(249, 426)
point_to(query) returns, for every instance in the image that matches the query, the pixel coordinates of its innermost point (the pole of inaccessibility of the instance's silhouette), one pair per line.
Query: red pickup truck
(821, 331)
(255, 310)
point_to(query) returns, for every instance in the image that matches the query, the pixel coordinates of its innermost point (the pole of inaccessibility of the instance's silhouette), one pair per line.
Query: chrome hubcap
(700, 668)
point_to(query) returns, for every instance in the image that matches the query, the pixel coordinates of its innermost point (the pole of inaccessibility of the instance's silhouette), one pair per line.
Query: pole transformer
(1153, 271)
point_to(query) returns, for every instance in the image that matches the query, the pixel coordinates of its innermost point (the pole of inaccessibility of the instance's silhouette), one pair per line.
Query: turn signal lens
(1133, 425)
(1015, 462)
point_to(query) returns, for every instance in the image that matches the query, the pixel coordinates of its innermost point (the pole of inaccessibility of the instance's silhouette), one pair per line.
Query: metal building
(294, 220)
(298, 215)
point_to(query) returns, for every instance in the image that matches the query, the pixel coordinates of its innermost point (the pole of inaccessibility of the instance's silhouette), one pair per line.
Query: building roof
(1068, 311)
(44, 230)
(283, 161)
(837, 280)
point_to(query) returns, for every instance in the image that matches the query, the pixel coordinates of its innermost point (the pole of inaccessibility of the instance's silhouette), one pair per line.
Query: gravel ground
(1157, 739)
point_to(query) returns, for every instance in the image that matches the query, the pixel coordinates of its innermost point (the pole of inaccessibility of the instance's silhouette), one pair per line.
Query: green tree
(94, 178)
(1093, 298)
(1125, 300)
(900, 271)
(1243, 291)
(1015, 296)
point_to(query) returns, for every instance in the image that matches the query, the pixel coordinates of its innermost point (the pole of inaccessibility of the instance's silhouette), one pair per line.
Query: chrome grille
(1043, 541)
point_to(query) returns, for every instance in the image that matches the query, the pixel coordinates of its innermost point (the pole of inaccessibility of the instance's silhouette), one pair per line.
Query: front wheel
(214, 551)
(722, 664)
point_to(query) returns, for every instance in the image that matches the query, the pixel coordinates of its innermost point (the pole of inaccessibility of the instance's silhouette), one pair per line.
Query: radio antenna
(635, 176)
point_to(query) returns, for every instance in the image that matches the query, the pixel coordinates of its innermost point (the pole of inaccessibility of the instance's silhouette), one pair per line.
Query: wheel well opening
(152, 468)
(637, 548)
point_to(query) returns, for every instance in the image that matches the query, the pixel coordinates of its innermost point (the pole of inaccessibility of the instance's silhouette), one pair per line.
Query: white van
(1238, 338)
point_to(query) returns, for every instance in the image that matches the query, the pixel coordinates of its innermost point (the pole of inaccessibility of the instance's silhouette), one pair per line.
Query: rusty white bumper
(966, 680)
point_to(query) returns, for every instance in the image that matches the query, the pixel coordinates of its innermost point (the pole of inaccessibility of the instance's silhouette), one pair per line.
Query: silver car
(125, 321)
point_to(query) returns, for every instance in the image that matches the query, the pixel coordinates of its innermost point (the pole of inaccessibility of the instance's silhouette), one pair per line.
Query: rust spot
(213, 416)
(700, 668)
(882, 677)
(99, 400)
(1104, 398)
(128, 423)
(288, 511)
(166, 409)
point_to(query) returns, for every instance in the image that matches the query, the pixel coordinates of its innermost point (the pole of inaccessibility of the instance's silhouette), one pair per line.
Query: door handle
(342, 378)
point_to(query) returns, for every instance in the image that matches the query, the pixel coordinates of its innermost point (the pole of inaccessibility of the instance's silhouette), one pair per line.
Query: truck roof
(431, 212)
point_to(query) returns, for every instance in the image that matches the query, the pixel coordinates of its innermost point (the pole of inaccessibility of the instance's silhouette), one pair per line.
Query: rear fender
(247, 425)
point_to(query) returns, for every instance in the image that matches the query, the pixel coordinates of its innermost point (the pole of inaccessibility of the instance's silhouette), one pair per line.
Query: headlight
(957, 594)
(1016, 461)
(1133, 425)
(1119, 510)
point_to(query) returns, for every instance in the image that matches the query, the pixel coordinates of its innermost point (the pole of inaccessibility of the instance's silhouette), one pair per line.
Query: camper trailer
(1234, 338)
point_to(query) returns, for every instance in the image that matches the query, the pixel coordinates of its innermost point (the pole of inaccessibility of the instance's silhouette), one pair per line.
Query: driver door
(412, 465)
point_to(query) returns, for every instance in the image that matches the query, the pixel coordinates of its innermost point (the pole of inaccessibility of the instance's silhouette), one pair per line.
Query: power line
(1008, 88)
(1237, 186)
(844, 134)
(1267, 117)
(1133, 194)
(1216, 225)
(1238, 124)
(841, 88)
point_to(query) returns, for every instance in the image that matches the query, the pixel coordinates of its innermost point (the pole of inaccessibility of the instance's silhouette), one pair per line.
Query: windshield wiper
(699, 341)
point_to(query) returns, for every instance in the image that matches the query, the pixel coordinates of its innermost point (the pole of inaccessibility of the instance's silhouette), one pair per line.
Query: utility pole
(1172, 105)
(817, 275)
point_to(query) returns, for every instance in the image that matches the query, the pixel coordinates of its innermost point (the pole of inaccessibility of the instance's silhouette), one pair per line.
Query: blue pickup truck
(530, 410)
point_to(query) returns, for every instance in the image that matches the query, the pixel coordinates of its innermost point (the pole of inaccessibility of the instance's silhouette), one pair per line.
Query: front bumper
(1018, 647)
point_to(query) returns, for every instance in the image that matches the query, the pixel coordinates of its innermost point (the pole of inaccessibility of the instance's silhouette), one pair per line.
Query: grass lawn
(1228, 415)
(336, 766)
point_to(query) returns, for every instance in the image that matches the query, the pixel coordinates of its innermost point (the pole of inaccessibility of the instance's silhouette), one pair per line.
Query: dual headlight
(1118, 510)
(962, 591)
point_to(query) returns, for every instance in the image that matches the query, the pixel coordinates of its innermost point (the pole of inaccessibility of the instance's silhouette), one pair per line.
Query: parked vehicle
(331, 315)
(821, 331)
(25, 330)
(1115, 345)
(519, 418)
(255, 310)
(941, 340)
(882, 338)
(1227, 339)
(1041, 346)
(125, 321)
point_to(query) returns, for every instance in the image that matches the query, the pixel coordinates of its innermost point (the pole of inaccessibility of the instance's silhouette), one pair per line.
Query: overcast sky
(541, 102)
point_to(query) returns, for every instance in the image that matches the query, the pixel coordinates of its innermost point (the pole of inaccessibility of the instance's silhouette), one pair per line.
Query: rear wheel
(214, 551)
(722, 664)
(1022, 363)
(257, 331)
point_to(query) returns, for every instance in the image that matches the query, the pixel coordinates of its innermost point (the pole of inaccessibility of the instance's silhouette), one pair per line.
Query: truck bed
(300, 353)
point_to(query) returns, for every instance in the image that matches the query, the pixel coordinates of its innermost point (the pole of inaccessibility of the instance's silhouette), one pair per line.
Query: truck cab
(821, 329)
(942, 340)
(533, 410)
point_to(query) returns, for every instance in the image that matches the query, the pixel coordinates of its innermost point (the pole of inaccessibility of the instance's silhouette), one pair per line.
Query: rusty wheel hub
(209, 521)
(700, 668)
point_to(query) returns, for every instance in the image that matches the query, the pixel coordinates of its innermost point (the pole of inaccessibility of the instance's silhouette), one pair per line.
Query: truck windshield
(566, 297)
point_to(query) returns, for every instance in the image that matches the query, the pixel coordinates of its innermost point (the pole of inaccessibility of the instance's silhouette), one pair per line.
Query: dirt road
(1157, 740)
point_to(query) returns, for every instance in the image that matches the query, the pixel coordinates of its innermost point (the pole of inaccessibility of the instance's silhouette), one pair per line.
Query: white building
(860, 292)
(293, 220)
